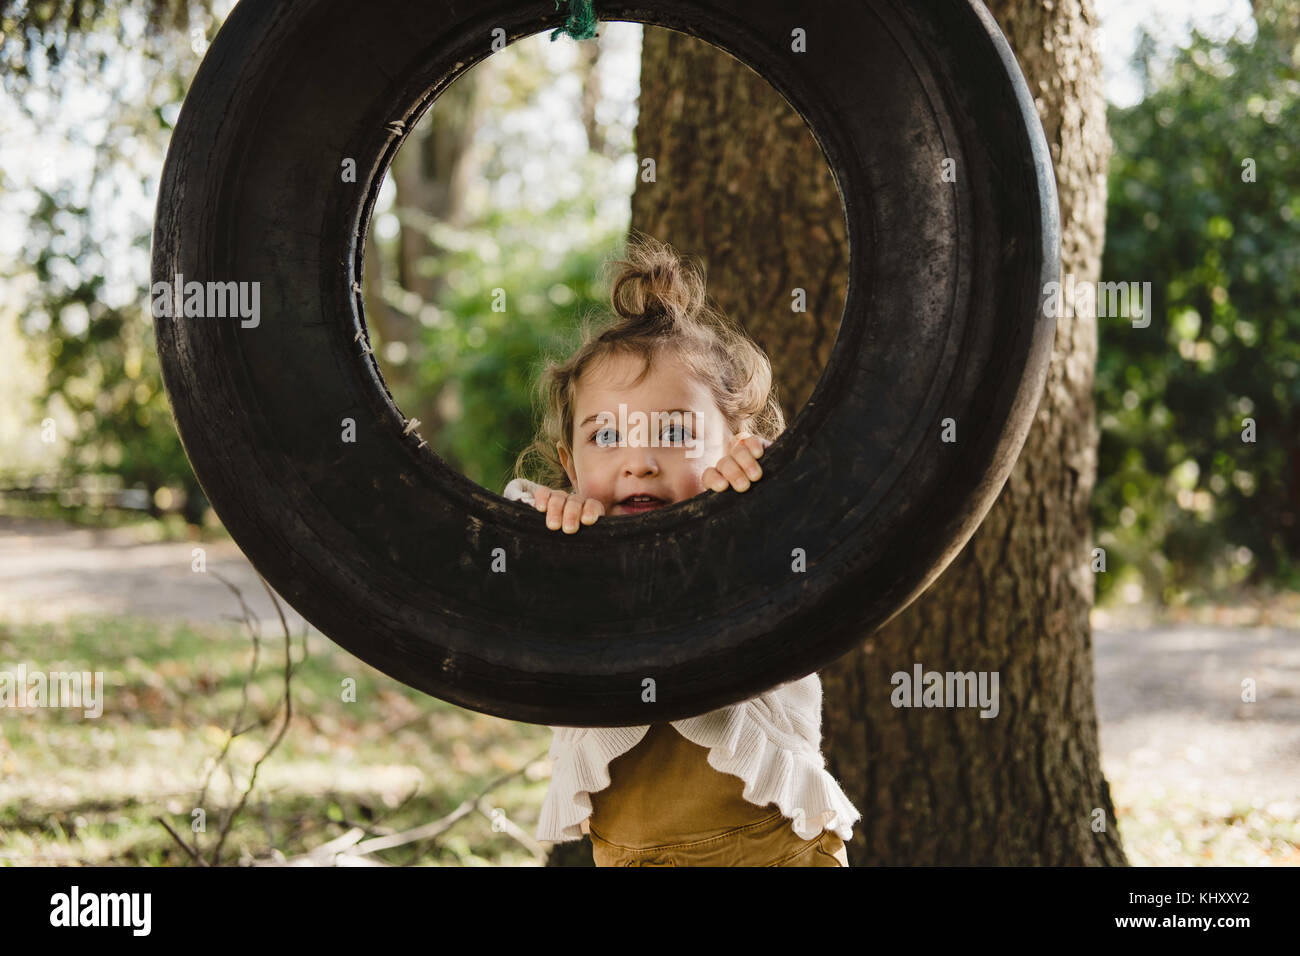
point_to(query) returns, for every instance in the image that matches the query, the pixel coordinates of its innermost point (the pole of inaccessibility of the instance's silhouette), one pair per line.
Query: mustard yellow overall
(665, 806)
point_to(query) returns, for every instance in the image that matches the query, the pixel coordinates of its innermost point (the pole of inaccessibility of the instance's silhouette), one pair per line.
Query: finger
(745, 459)
(572, 513)
(592, 510)
(555, 510)
(750, 441)
(712, 478)
(541, 497)
(731, 470)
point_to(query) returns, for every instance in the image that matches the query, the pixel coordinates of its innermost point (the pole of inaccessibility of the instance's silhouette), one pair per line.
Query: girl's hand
(565, 509)
(738, 467)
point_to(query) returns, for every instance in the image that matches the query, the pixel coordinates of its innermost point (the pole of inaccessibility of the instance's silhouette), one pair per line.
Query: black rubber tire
(388, 551)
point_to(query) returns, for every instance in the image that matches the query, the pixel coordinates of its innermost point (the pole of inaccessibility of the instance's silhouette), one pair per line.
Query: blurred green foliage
(1204, 204)
(95, 344)
(105, 369)
(492, 358)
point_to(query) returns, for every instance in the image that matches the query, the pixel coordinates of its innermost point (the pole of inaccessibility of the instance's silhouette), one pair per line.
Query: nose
(639, 462)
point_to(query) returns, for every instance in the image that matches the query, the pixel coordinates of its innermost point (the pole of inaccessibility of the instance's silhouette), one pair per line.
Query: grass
(86, 790)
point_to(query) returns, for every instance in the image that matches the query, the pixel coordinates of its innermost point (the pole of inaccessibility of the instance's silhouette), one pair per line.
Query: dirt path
(50, 570)
(1170, 710)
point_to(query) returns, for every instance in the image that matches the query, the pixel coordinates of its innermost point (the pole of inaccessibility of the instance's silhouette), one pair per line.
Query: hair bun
(653, 284)
(657, 286)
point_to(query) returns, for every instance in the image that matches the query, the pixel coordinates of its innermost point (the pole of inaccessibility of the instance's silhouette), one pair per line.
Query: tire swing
(454, 590)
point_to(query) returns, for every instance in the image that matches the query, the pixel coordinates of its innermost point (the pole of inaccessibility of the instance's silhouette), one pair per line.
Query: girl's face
(648, 452)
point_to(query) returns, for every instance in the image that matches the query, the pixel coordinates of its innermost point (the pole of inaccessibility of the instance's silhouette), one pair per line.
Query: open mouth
(641, 503)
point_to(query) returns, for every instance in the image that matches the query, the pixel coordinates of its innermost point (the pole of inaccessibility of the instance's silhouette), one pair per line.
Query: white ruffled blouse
(772, 742)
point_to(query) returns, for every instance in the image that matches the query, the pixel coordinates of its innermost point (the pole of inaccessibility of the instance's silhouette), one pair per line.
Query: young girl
(744, 785)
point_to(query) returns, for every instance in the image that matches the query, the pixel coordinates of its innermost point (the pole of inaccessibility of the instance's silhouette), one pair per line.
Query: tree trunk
(939, 787)
(588, 70)
(742, 184)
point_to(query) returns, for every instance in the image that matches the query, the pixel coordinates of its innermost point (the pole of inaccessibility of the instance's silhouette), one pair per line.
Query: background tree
(1205, 205)
(431, 172)
(96, 343)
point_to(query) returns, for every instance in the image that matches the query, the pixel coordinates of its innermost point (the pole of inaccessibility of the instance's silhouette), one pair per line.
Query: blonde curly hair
(659, 304)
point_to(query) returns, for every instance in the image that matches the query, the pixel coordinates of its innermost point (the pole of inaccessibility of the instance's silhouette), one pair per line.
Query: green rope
(581, 24)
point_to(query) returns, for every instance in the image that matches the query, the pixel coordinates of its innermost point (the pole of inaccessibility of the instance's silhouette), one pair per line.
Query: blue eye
(598, 437)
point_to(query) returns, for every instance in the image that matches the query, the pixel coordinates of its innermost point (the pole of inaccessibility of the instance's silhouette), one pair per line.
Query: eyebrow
(668, 411)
